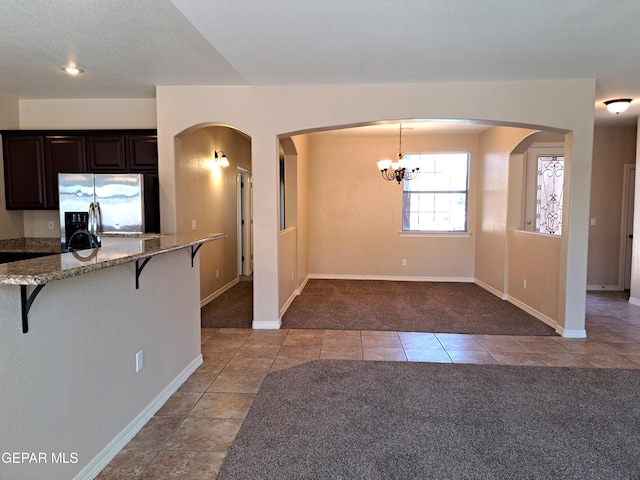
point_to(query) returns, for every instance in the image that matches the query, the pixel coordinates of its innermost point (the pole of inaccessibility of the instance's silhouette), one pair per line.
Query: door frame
(627, 203)
(245, 231)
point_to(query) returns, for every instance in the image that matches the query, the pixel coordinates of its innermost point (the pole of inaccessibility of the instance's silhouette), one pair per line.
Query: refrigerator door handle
(98, 218)
(92, 219)
(95, 223)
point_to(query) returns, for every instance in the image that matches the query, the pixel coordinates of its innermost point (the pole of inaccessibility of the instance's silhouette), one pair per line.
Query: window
(544, 183)
(549, 195)
(436, 199)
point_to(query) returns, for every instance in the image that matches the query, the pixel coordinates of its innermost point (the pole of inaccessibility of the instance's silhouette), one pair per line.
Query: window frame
(406, 193)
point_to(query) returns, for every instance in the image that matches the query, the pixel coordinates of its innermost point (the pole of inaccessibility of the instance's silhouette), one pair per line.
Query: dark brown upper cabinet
(142, 153)
(24, 172)
(33, 159)
(105, 153)
(62, 154)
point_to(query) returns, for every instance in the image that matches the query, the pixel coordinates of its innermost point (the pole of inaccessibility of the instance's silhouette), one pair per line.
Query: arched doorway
(209, 199)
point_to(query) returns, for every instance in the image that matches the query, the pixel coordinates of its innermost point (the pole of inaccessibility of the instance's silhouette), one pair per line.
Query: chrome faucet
(93, 239)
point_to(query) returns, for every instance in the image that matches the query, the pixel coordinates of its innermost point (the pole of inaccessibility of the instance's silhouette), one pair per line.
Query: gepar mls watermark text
(39, 457)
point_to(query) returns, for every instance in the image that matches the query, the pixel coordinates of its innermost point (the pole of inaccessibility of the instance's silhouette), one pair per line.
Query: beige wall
(613, 147)
(208, 194)
(95, 113)
(355, 217)
(287, 268)
(11, 222)
(496, 145)
(534, 258)
(301, 143)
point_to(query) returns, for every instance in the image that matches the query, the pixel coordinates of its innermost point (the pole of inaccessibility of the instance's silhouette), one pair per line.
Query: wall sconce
(618, 105)
(221, 158)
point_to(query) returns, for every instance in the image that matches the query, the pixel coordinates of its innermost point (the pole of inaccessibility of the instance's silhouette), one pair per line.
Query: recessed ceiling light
(72, 70)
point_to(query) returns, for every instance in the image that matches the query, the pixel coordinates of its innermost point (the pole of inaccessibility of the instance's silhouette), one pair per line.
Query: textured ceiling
(128, 47)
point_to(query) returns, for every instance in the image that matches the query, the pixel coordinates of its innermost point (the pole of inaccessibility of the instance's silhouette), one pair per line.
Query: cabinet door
(105, 153)
(24, 173)
(142, 153)
(62, 155)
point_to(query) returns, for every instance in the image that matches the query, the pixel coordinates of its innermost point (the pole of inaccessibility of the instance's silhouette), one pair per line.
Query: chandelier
(402, 169)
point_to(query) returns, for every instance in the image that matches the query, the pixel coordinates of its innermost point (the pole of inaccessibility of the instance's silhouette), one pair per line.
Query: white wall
(264, 113)
(69, 384)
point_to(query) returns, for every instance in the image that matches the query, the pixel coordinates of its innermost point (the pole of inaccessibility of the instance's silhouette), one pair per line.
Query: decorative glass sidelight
(549, 195)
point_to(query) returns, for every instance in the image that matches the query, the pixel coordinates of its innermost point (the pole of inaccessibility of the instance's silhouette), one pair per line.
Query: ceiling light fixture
(618, 105)
(399, 170)
(72, 70)
(221, 159)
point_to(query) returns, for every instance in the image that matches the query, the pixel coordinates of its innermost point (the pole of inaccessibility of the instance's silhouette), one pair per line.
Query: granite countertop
(30, 245)
(39, 271)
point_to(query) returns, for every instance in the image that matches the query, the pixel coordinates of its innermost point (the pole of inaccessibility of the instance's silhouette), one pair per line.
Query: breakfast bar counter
(108, 335)
(42, 270)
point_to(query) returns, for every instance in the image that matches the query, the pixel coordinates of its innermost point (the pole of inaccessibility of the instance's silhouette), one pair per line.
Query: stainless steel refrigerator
(116, 202)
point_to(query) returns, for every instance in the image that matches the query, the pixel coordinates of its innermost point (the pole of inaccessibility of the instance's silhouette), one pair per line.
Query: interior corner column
(264, 166)
(573, 272)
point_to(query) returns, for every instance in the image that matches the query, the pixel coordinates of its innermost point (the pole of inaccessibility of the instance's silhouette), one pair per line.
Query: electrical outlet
(51, 225)
(138, 361)
(193, 224)
(404, 262)
(524, 283)
(217, 273)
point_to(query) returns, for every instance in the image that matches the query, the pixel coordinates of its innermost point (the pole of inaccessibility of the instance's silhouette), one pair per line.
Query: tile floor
(190, 435)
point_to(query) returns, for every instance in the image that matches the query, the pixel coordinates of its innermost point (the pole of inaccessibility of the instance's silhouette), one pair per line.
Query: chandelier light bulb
(384, 164)
(401, 169)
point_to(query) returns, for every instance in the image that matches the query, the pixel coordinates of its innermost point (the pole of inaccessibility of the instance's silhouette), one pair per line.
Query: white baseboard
(266, 325)
(531, 311)
(491, 289)
(571, 333)
(634, 301)
(604, 288)
(288, 303)
(302, 285)
(334, 276)
(218, 292)
(95, 466)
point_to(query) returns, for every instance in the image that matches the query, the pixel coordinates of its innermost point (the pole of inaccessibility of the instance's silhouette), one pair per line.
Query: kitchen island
(111, 334)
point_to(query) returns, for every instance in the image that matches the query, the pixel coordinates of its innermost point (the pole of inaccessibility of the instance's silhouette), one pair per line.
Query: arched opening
(352, 218)
(211, 197)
